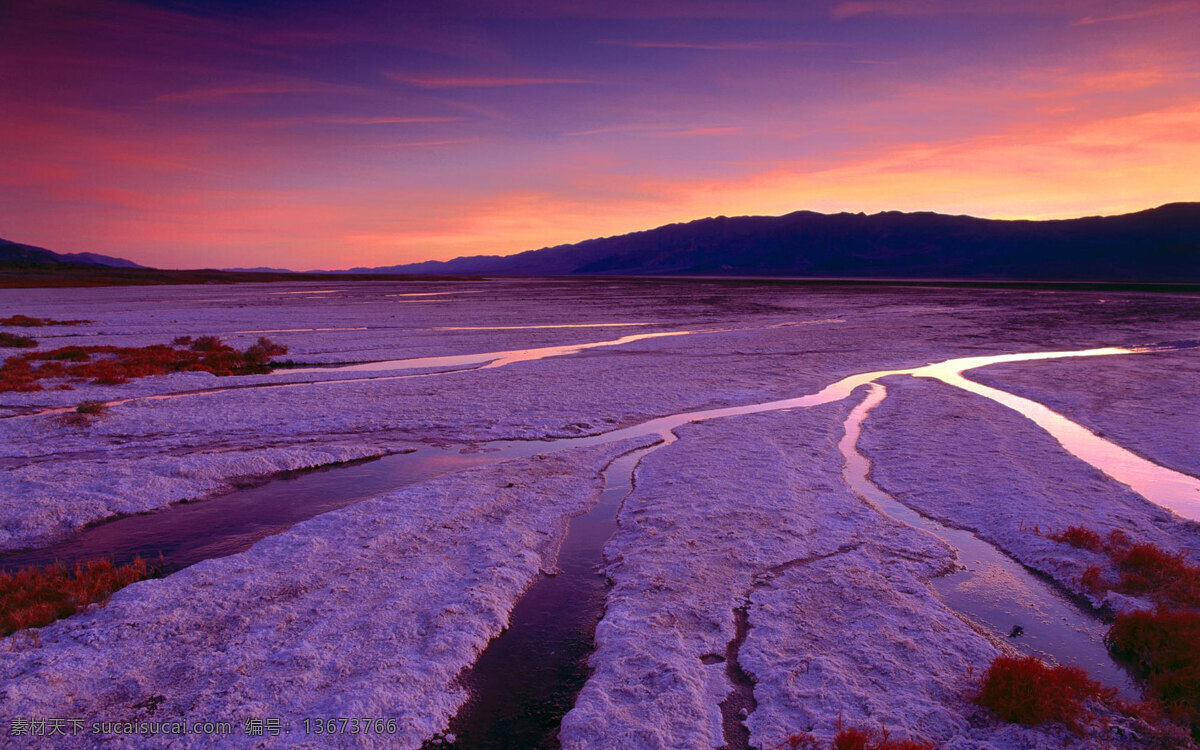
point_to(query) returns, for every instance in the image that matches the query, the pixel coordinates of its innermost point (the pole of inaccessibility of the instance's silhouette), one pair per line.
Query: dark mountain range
(1158, 245)
(1161, 244)
(17, 255)
(26, 266)
(264, 269)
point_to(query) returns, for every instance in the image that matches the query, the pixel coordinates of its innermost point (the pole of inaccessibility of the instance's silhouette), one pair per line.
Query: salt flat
(375, 608)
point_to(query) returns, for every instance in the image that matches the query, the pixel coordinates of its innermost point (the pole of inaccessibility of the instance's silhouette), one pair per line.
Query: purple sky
(327, 135)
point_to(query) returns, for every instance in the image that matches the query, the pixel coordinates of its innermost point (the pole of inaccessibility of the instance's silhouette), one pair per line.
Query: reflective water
(529, 675)
(301, 330)
(992, 588)
(488, 359)
(187, 533)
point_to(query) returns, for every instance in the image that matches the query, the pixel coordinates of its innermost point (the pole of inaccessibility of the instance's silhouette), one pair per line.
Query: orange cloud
(1112, 166)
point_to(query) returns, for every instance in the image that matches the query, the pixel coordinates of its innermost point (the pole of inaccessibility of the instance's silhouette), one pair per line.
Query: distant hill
(264, 269)
(18, 255)
(1160, 244)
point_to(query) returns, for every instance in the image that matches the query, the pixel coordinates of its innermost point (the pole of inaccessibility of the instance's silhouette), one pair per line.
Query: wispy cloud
(949, 7)
(227, 93)
(660, 130)
(850, 9)
(474, 82)
(423, 144)
(381, 120)
(1134, 15)
(732, 46)
(723, 130)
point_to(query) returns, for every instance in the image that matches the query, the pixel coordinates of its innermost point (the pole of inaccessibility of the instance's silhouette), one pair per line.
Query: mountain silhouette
(1160, 244)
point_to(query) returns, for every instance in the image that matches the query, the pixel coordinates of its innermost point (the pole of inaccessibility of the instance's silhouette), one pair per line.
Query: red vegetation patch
(33, 597)
(1164, 647)
(1118, 539)
(16, 374)
(1092, 580)
(1145, 569)
(1167, 578)
(112, 365)
(91, 408)
(27, 322)
(850, 738)
(1026, 690)
(798, 741)
(13, 341)
(1079, 537)
(857, 739)
(84, 414)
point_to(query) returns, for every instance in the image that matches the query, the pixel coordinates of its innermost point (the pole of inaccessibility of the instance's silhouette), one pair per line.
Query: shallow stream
(993, 589)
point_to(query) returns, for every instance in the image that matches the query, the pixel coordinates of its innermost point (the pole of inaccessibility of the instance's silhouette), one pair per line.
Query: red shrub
(798, 741)
(208, 344)
(92, 408)
(17, 375)
(33, 597)
(111, 365)
(13, 341)
(1148, 569)
(887, 744)
(1092, 580)
(1164, 646)
(852, 738)
(28, 322)
(1117, 539)
(259, 354)
(1026, 690)
(102, 372)
(1079, 537)
(67, 353)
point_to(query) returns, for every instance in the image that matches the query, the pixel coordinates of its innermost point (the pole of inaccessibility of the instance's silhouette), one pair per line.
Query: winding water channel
(992, 588)
(528, 677)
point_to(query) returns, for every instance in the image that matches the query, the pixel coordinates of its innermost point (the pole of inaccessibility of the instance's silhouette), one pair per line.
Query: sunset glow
(322, 135)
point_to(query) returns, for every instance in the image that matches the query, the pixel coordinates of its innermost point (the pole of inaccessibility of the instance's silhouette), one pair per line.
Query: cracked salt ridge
(740, 703)
(992, 588)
